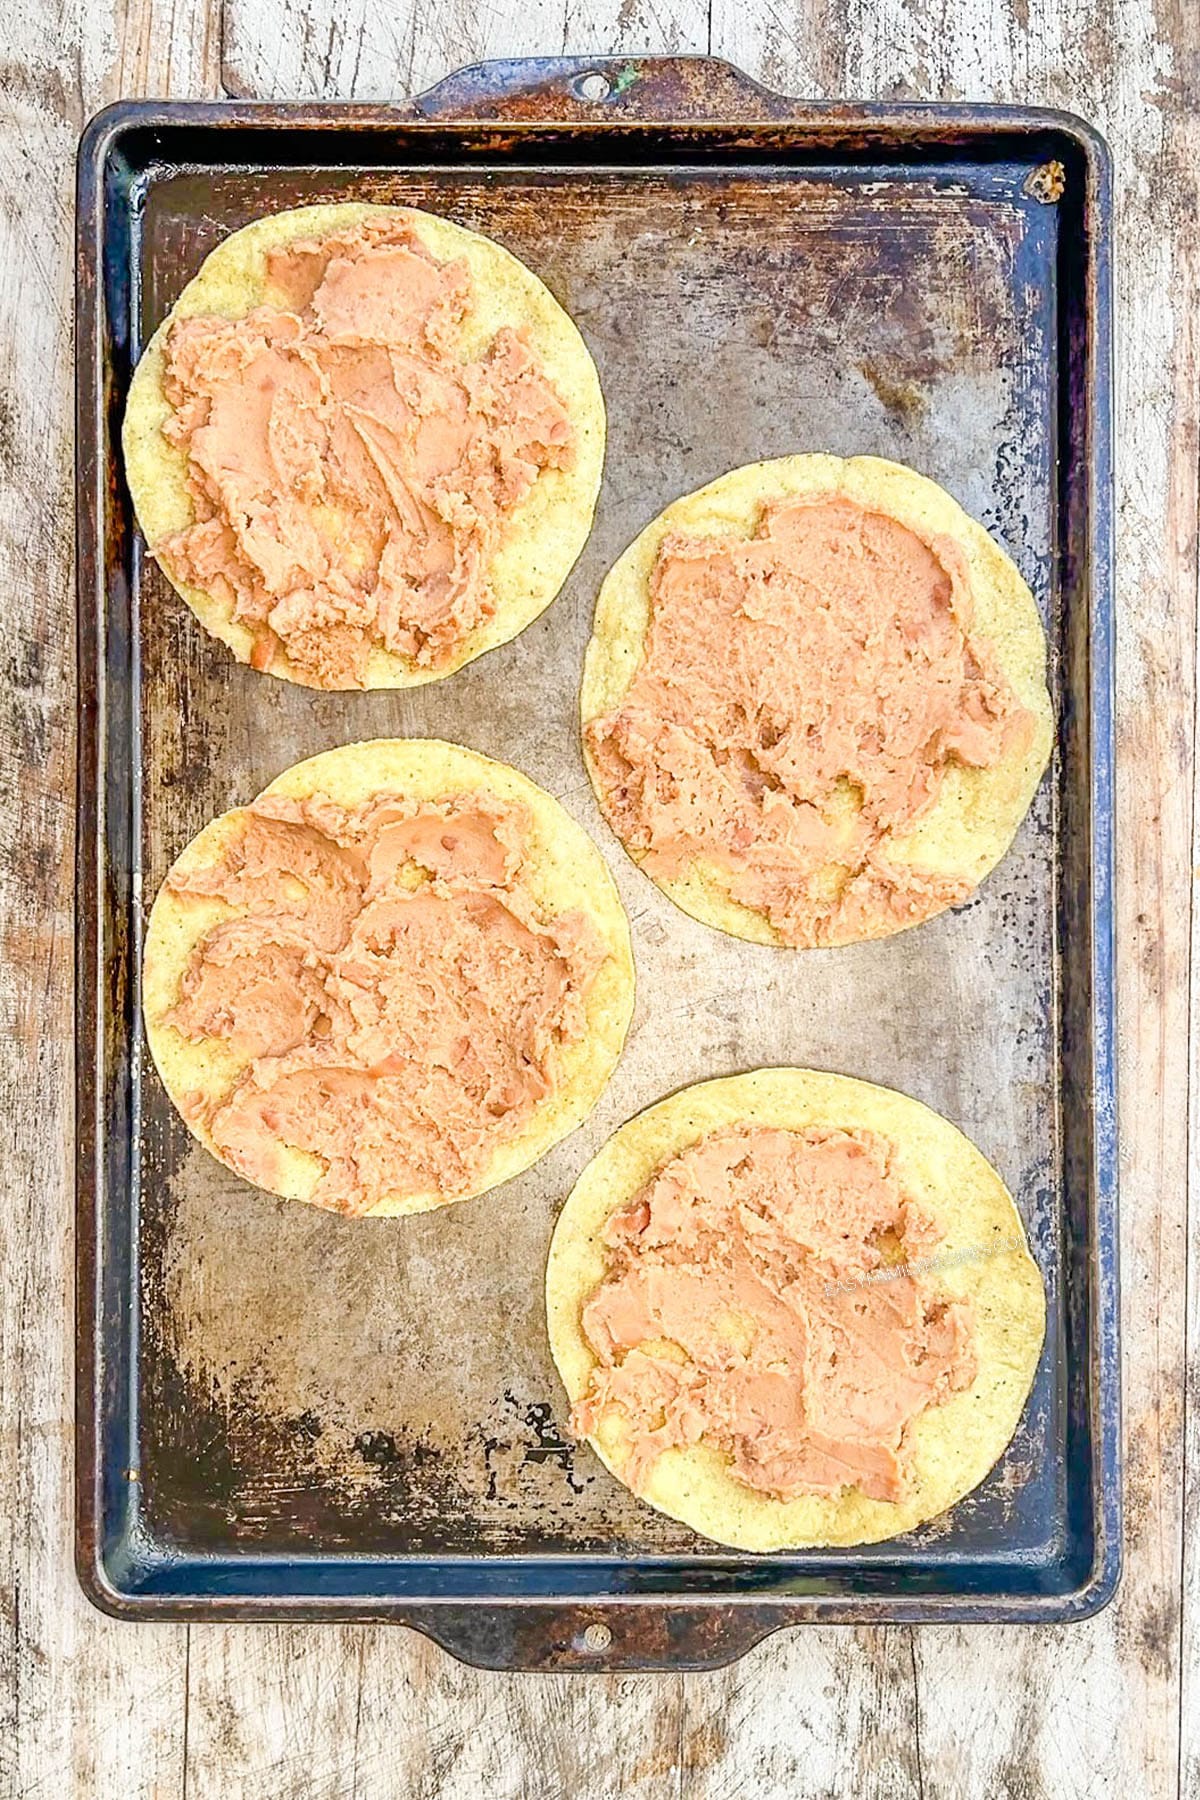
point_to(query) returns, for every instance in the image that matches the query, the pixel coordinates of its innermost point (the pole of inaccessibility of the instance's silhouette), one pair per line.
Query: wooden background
(1111, 1707)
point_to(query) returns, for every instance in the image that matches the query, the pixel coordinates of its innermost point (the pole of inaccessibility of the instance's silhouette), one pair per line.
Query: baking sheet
(309, 1413)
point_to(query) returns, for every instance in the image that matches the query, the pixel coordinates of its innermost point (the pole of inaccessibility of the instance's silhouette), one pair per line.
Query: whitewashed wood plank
(354, 52)
(371, 1713)
(365, 51)
(632, 27)
(470, 31)
(272, 1711)
(796, 46)
(154, 48)
(829, 1710)
(1185, 541)
(86, 1707)
(512, 1736)
(358, 51)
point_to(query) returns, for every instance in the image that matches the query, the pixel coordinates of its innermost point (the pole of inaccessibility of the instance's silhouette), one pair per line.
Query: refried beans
(350, 472)
(802, 693)
(743, 1305)
(401, 999)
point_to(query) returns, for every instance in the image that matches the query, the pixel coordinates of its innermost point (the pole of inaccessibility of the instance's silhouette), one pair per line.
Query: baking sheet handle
(595, 90)
(603, 1638)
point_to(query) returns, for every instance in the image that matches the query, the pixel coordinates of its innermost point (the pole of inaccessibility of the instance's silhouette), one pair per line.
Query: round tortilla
(543, 535)
(563, 871)
(973, 820)
(955, 1443)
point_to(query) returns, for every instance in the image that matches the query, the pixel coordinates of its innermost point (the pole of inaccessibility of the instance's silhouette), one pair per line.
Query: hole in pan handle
(594, 85)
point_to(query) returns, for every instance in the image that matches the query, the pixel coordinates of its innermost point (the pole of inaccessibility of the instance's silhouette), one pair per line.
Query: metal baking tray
(283, 1414)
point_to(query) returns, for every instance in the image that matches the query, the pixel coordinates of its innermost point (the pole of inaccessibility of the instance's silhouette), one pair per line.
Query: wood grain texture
(374, 1712)
(84, 1708)
(88, 1707)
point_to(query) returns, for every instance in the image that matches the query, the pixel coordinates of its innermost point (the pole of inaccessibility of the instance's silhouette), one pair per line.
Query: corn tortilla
(954, 1443)
(973, 820)
(543, 535)
(563, 871)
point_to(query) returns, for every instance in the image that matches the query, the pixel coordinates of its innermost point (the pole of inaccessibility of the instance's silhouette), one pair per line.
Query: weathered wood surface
(1111, 1707)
